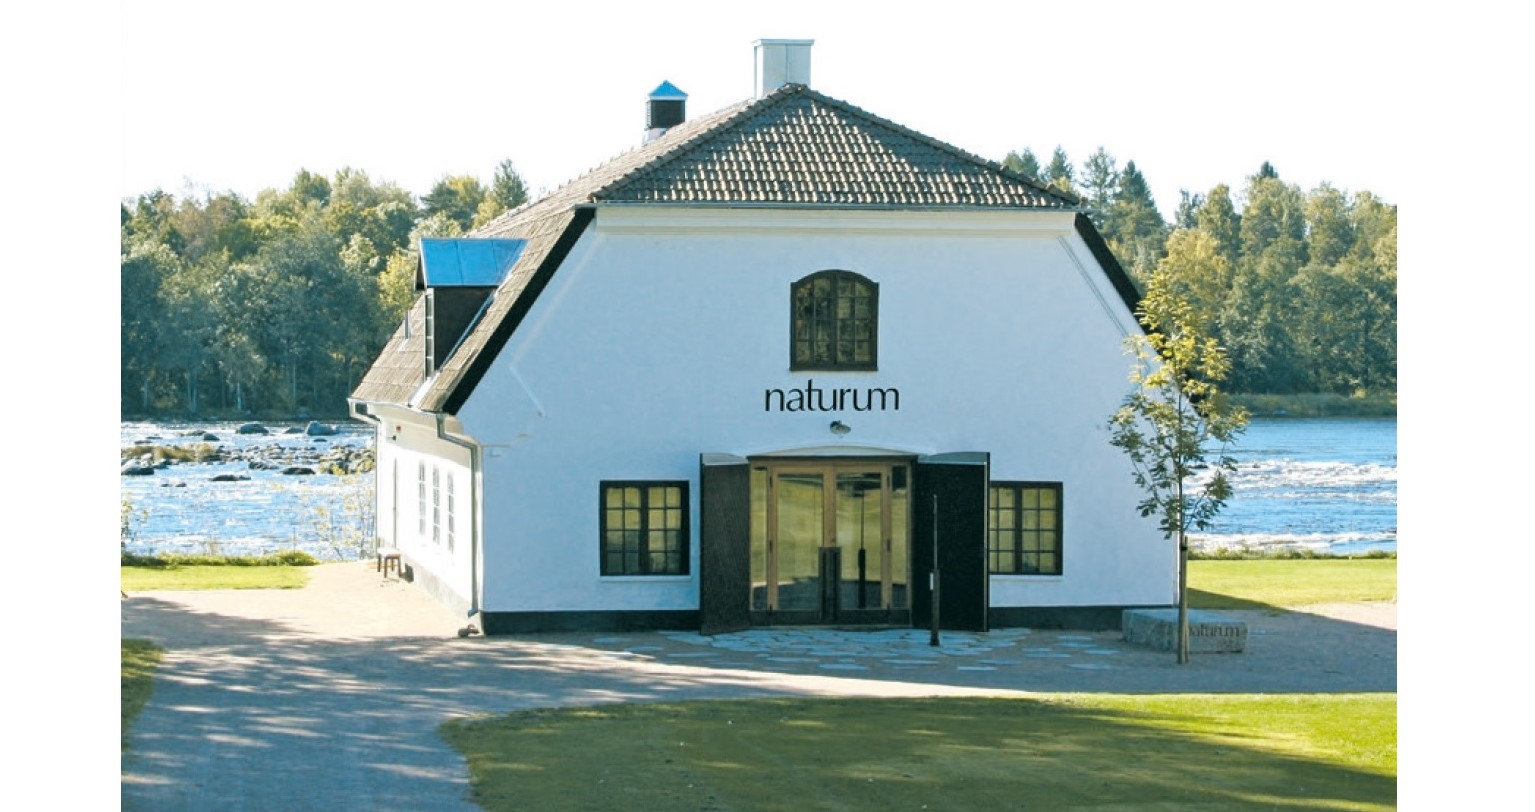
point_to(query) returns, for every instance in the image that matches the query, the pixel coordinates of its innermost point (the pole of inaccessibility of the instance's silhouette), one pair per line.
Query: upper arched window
(834, 322)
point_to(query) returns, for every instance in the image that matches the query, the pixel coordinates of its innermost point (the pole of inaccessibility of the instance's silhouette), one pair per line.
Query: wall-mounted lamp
(839, 427)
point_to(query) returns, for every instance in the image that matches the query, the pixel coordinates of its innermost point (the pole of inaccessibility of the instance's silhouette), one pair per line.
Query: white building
(766, 369)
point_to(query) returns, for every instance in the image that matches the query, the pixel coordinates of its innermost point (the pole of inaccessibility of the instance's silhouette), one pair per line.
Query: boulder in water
(251, 428)
(317, 429)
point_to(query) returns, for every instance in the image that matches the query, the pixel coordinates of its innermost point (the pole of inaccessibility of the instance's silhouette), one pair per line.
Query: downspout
(474, 519)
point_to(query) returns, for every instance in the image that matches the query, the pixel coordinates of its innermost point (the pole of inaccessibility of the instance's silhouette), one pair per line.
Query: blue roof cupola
(666, 108)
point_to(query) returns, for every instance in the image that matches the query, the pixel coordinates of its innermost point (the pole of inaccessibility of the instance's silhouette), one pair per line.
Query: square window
(1024, 521)
(644, 528)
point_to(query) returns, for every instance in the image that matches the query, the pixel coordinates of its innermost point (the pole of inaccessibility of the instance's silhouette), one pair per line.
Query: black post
(933, 639)
(862, 556)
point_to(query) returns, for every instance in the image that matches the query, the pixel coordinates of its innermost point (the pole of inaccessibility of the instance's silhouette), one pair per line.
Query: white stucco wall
(408, 444)
(663, 329)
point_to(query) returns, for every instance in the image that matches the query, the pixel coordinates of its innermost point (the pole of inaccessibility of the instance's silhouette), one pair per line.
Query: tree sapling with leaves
(1177, 426)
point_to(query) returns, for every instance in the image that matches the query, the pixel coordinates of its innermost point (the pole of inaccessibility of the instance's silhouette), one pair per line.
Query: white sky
(239, 96)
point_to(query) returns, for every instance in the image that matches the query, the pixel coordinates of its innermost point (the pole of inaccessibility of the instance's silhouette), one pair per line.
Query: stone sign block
(1208, 631)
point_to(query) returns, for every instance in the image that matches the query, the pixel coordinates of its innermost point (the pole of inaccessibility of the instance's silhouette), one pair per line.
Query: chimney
(781, 62)
(666, 109)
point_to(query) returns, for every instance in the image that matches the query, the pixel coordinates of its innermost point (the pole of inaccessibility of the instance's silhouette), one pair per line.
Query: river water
(1323, 484)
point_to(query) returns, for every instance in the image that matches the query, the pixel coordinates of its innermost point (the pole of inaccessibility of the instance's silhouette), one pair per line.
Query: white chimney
(782, 62)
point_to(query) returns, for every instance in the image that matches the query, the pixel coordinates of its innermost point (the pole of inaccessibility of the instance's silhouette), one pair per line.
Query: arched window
(834, 322)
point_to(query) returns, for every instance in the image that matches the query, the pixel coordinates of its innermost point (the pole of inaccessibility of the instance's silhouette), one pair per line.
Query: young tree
(1177, 426)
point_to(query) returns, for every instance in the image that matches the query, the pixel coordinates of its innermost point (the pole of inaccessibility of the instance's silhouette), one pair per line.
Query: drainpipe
(474, 519)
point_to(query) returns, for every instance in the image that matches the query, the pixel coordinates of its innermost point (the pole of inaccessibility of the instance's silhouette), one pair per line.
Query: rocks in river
(251, 428)
(297, 470)
(317, 429)
(210, 437)
(229, 478)
(338, 456)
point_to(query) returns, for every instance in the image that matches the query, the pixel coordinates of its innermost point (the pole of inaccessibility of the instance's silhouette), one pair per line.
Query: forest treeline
(277, 306)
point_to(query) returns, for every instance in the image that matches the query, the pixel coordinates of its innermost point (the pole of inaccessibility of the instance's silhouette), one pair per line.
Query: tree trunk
(1183, 599)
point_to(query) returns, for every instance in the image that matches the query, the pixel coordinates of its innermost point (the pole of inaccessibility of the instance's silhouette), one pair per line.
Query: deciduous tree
(1177, 426)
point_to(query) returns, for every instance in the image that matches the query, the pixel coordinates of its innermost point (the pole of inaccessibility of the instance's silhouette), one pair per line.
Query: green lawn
(139, 658)
(1269, 583)
(1055, 751)
(1063, 751)
(145, 579)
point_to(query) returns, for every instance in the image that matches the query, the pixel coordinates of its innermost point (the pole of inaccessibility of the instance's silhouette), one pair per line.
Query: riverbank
(1318, 404)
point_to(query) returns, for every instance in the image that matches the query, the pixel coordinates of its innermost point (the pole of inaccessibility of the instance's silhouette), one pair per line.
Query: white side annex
(573, 487)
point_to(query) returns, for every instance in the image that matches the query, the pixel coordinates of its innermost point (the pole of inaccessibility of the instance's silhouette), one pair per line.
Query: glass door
(830, 541)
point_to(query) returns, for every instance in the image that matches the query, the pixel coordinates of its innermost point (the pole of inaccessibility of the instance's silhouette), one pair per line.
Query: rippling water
(1323, 484)
(181, 510)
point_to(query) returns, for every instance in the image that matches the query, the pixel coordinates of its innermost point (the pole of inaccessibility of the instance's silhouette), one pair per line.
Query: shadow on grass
(1200, 599)
(954, 753)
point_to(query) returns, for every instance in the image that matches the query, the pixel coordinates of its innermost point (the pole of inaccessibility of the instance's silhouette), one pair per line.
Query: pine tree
(1024, 164)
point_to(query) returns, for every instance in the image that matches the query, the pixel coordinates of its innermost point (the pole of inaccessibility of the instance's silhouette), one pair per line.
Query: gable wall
(660, 334)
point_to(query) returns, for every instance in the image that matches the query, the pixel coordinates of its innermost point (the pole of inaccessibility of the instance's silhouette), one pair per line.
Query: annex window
(452, 513)
(421, 499)
(436, 506)
(1024, 528)
(834, 322)
(644, 528)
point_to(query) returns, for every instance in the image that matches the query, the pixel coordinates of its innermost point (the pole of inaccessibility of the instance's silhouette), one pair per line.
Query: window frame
(421, 498)
(839, 325)
(1016, 548)
(645, 560)
(451, 513)
(436, 505)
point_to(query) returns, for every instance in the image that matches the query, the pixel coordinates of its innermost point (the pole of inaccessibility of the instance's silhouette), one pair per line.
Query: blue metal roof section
(667, 90)
(467, 262)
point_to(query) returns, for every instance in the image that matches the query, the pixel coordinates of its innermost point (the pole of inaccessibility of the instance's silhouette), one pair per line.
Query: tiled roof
(799, 147)
(794, 148)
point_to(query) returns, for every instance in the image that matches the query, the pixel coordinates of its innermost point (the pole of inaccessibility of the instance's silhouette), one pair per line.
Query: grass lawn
(1063, 751)
(144, 579)
(138, 667)
(1270, 583)
(1054, 751)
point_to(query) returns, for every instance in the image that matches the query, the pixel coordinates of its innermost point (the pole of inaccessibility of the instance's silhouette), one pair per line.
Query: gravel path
(328, 697)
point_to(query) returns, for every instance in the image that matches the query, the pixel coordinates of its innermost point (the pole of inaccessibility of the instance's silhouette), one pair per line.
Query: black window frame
(822, 316)
(1022, 555)
(635, 558)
